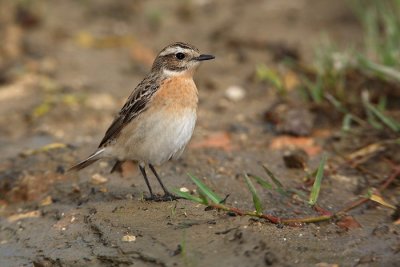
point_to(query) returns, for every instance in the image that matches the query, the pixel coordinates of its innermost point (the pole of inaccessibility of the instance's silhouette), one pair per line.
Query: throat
(177, 92)
(177, 73)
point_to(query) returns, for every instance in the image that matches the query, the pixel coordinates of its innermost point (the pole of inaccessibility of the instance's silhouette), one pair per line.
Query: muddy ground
(68, 69)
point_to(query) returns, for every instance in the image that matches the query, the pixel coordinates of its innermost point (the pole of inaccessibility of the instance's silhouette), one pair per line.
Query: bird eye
(180, 56)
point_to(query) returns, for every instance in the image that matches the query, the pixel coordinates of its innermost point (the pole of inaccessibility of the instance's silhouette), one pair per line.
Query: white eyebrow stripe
(173, 50)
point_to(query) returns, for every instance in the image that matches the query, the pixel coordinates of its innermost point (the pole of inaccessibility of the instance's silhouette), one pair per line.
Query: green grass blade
(379, 70)
(266, 74)
(205, 190)
(336, 103)
(314, 89)
(317, 91)
(374, 114)
(256, 198)
(372, 120)
(279, 186)
(382, 104)
(317, 183)
(389, 122)
(203, 197)
(342, 109)
(301, 194)
(346, 123)
(273, 177)
(188, 196)
(260, 181)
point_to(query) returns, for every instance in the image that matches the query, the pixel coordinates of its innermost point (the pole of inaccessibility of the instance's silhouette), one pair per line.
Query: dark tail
(91, 159)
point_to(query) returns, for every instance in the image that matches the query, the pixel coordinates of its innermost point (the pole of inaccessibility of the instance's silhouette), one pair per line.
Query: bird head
(179, 59)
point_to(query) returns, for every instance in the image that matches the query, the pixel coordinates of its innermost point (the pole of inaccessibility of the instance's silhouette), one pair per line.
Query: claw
(164, 198)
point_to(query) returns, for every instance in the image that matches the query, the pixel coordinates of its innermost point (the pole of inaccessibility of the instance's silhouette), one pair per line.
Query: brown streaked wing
(136, 104)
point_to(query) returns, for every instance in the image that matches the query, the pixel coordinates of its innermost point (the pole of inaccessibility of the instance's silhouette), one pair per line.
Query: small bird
(158, 118)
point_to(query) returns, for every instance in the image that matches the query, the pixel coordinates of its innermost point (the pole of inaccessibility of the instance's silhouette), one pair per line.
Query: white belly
(157, 138)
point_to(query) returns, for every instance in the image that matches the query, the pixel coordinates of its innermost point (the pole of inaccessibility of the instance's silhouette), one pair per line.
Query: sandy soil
(71, 73)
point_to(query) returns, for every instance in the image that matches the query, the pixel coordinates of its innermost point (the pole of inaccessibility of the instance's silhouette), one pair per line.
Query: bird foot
(163, 198)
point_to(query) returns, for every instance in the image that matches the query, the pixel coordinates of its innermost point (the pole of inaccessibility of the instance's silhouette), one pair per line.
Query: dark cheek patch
(170, 62)
(174, 64)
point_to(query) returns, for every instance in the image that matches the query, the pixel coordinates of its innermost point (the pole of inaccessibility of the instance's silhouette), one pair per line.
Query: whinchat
(158, 119)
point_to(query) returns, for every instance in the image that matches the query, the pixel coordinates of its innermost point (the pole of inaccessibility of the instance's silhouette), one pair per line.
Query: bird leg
(117, 167)
(167, 195)
(143, 171)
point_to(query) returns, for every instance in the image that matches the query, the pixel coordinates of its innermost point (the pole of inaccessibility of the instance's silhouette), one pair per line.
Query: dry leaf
(46, 201)
(381, 201)
(220, 140)
(365, 153)
(348, 222)
(30, 214)
(128, 168)
(103, 189)
(290, 80)
(322, 133)
(305, 143)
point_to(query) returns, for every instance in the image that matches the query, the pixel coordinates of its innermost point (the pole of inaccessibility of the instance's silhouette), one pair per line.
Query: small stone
(46, 201)
(235, 93)
(128, 238)
(98, 179)
(296, 159)
(184, 189)
(287, 119)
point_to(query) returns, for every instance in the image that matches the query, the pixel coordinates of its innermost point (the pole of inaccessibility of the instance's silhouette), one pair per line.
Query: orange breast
(176, 93)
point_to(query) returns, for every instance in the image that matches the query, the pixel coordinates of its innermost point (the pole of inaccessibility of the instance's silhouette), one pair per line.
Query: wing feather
(135, 105)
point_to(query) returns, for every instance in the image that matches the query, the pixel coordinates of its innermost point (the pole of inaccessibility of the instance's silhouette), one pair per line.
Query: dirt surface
(73, 64)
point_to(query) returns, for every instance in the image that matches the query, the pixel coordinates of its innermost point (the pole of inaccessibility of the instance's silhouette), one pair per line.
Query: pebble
(183, 189)
(235, 93)
(98, 179)
(128, 238)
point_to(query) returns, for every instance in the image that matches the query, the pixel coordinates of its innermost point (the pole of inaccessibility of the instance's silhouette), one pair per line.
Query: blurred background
(292, 80)
(67, 66)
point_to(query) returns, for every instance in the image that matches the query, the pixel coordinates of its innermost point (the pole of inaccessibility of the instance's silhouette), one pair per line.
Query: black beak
(204, 57)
